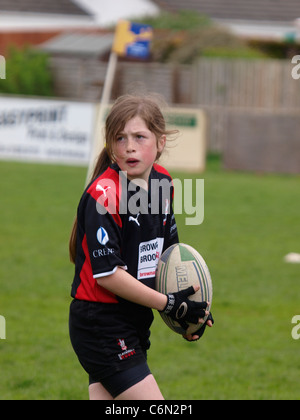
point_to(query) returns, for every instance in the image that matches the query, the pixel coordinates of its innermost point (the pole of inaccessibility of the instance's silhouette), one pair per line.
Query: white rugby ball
(180, 267)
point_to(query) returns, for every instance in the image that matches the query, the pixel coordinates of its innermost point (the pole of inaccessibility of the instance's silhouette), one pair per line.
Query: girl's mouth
(132, 162)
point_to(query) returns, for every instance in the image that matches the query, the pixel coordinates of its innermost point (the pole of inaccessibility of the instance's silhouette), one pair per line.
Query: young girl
(124, 223)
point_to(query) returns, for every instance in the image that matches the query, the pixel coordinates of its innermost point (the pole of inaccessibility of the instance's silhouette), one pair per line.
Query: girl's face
(135, 149)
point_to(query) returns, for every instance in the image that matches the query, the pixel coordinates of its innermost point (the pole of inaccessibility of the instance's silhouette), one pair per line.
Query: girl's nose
(130, 145)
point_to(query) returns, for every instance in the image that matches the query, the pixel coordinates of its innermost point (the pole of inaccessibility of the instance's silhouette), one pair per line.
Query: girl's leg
(98, 392)
(147, 389)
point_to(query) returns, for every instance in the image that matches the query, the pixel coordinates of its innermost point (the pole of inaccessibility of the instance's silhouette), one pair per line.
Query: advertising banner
(62, 132)
(43, 130)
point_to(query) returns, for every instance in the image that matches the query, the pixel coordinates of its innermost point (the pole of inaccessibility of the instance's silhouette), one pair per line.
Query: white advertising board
(58, 131)
(46, 130)
(188, 151)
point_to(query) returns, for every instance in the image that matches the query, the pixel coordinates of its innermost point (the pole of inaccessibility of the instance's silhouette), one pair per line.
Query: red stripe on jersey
(162, 170)
(106, 190)
(89, 289)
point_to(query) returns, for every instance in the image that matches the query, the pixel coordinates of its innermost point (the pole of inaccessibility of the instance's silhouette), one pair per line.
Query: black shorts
(106, 342)
(118, 382)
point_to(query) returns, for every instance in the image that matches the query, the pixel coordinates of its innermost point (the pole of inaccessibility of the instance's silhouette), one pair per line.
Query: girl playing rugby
(116, 253)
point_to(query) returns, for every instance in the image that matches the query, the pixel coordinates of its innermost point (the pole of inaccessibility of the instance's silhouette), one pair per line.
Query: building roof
(61, 7)
(38, 15)
(269, 20)
(83, 44)
(108, 12)
(254, 10)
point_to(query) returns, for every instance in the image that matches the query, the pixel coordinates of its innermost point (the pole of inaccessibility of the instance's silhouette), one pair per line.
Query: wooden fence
(217, 85)
(210, 82)
(222, 87)
(246, 83)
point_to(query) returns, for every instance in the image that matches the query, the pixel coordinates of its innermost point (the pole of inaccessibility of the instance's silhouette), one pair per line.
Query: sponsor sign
(43, 130)
(188, 151)
(57, 131)
(149, 254)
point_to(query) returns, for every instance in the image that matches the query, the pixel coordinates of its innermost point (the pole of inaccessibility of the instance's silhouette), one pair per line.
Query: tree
(27, 73)
(187, 35)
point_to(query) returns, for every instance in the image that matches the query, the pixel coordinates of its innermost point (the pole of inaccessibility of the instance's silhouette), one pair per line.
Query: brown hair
(124, 109)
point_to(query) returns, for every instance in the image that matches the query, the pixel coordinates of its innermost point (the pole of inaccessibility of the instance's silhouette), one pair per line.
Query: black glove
(201, 330)
(182, 309)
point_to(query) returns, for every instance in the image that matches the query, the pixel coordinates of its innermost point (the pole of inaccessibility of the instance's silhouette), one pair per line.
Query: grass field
(251, 222)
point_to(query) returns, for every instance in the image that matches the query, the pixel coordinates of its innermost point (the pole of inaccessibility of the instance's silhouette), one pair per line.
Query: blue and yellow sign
(133, 39)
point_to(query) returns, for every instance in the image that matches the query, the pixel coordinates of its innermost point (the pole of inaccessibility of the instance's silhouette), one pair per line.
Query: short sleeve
(103, 238)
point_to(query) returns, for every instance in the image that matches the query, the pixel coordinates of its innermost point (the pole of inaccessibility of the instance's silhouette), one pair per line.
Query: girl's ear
(161, 142)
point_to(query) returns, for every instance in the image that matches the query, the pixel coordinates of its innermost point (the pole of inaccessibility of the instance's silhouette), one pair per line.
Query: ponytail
(102, 164)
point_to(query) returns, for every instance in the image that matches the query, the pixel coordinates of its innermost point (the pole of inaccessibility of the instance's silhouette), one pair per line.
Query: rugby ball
(180, 267)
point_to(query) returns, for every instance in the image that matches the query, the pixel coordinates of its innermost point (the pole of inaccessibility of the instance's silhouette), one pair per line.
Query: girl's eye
(120, 138)
(139, 137)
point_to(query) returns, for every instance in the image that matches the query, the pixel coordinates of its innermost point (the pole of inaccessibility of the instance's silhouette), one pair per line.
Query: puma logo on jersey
(135, 219)
(103, 189)
(166, 212)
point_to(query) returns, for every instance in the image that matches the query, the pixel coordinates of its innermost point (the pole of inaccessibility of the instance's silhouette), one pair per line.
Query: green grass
(251, 222)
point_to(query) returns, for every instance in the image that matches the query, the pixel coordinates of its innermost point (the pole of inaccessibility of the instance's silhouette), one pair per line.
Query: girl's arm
(123, 284)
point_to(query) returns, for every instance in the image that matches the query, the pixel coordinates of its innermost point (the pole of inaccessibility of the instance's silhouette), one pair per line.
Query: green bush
(185, 36)
(27, 73)
(184, 20)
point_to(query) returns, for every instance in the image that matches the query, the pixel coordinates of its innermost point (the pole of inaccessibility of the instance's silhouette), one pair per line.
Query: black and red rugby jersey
(122, 225)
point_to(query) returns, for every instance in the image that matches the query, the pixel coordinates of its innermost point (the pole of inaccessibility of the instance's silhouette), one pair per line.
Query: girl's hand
(198, 334)
(183, 310)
